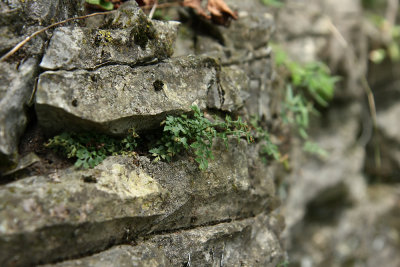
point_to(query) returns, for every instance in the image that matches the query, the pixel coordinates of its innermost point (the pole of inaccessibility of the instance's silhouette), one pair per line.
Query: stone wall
(103, 74)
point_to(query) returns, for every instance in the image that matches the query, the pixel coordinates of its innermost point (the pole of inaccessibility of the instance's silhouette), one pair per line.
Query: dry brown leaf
(196, 5)
(220, 12)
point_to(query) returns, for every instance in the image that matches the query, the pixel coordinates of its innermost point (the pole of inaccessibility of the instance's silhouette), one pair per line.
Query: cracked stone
(114, 99)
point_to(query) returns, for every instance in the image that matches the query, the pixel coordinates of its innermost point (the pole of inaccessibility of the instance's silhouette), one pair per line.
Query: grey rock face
(39, 12)
(230, 95)
(128, 256)
(240, 243)
(84, 211)
(85, 48)
(306, 31)
(113, 99)
(244, 46)
(16, 85)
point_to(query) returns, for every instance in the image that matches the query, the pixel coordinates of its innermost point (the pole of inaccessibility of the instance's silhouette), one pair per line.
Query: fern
(90, 149)
(196, 133)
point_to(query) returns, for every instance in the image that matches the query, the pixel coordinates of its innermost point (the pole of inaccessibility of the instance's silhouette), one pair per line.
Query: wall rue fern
(307, 85)
(196, 133)
(90, 149)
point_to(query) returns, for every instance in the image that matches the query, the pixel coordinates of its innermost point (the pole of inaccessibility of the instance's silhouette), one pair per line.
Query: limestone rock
(389, 145)
(232, 92)
(16, 85)
(69, 213)
(387, 122)
(341, 168)
(366, 228)
(39, 12)
(125, 255)
(113, 99)
(83, 212)
(85, 48)
(249, 242)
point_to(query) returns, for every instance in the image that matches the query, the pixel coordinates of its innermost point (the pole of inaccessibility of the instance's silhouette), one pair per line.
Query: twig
(372, 108)
(153, 9)
(27, 39)
(164, 5)
(337, 33)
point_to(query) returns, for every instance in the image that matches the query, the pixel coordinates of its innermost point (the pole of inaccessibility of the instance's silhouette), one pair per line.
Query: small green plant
(308, 84)
(390, 48)
(296, 110)
(274, 3)
(106, 5)
(283, 264)
(196, 133)
(313, 78)
(268, 149)
(90, 149)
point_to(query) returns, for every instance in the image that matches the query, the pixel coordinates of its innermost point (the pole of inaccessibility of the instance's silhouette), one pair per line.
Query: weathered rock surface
(389, 146)
(365, 234)
(16, 85)
(341, 171)
(128, 256)
(39, 12)
(86, 211)
(240, 243)
(113, 99)
(329, 29)
(233, 90)
(110, 74)
(86, 48)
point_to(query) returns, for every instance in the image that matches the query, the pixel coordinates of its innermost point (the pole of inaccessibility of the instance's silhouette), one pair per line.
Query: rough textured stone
(98, 77)
(240, 243)
(313, 177)
(69, 213)
(10, 37)
(127, 256)
(85, 48)
(387, 122)
(39, 12)
(250, 242)
(113, 99)
(389, 146)
(330, 29)
(16, 85)
(230, 95)
(86, 211)
(365, 233)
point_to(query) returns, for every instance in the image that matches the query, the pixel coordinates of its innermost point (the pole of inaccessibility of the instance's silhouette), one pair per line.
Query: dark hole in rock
(74, 103)
(89, 179)
(328, 205)
(158, 85)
